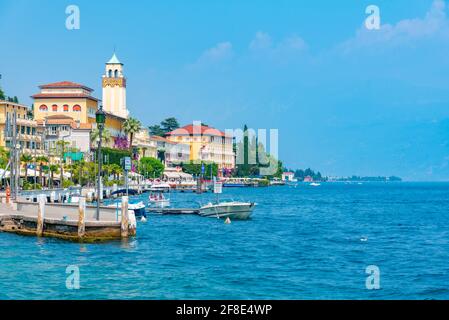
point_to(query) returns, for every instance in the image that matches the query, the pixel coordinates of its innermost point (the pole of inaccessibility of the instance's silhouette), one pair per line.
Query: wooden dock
(74, 222)
(173, 211)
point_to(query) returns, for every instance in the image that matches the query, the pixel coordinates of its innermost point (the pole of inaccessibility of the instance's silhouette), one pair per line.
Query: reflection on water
(302, 243)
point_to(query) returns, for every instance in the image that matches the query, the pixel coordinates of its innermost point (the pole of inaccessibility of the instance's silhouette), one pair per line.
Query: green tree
(4, 156)
(195, 168)
(131, 127)
(116, 171)
(151, 167)
(156, 130)
(53, 170)
(2, 95)
(26, 159)
(105, 136)
(169, 124)
(62, 146)
(42, 161)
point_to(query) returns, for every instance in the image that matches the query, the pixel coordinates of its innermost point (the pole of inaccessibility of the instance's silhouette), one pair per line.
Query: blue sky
(345, 100)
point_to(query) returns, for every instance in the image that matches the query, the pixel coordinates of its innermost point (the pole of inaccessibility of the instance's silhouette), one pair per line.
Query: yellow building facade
(77, 102)
(28, 134)
(206, 144)
(65, 98)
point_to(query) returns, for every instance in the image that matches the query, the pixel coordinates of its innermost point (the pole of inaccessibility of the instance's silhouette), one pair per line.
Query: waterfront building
(65, 98)
(28, 135)
(206, 144)
(65, 128)
(289, 176)
(170, 152)
(146, 147)
(114, 89)
(308, 179)
(77, 102)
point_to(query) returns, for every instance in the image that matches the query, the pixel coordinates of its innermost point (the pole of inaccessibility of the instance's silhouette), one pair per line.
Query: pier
(74, 222)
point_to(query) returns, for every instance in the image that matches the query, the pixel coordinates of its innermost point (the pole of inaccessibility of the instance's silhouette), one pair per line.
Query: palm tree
(42, 160)
(116, 170)
(105, 136)
(62, 145)
(131, 127)
(26, 159)
(4, 156)
(53, 169)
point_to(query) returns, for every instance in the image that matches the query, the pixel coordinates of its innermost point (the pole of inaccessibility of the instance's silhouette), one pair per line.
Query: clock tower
(114, 89)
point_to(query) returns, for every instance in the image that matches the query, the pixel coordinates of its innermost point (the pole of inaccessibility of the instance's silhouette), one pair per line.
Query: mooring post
(125, 218)
(40, 216)
(81, 217)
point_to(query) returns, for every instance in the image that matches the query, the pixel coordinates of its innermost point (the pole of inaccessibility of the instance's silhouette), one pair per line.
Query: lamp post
(100, 119)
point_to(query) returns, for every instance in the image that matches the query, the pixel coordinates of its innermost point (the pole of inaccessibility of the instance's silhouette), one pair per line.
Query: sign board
(127, 164)
(218, 187)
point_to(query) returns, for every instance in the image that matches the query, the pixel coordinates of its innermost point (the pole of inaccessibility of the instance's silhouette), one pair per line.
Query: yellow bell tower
(114, 88)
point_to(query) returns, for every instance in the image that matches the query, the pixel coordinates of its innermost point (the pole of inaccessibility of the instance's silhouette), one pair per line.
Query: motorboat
(315, 184)
(162, 187)
(158, 200)
(137, 207)
(233, 210)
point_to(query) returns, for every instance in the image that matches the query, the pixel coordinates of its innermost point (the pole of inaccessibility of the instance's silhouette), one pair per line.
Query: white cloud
(263, 42)
(222, 51)
(434, 23)
(293, 43)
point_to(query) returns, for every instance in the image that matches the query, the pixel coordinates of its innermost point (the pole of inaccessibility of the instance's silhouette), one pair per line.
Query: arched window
(77, 108)
(43, 108)
(54, 108)
(110, 73)
(66, 108)
(116, 73)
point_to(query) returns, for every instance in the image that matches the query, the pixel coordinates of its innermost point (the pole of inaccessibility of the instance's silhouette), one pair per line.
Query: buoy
(228, 221)
(143, 219)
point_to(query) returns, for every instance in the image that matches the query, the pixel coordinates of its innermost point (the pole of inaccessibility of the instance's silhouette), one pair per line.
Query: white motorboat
(233, 210)
(162, 187)
(137, 207)
(315, 184)
(158, 200)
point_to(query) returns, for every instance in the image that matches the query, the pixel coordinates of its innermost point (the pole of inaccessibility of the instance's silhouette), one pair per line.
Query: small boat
(233, 210)
(159, 200)
(315, 184)
(137, 207)
(163, 187)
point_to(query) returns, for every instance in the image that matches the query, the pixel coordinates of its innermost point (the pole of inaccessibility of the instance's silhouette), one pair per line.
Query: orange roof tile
(197, 130)
(63, 95)
(64, 84)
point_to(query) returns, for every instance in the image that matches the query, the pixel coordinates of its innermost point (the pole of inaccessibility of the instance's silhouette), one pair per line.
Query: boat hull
(224, 211)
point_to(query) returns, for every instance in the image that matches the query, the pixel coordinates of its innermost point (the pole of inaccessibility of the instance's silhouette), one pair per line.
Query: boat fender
(132, 219)
(228, 221)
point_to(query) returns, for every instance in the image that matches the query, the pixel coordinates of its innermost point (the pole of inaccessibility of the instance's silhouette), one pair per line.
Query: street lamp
(100, 119)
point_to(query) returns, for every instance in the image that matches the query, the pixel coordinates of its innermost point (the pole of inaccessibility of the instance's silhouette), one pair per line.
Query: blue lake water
(302, 243)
